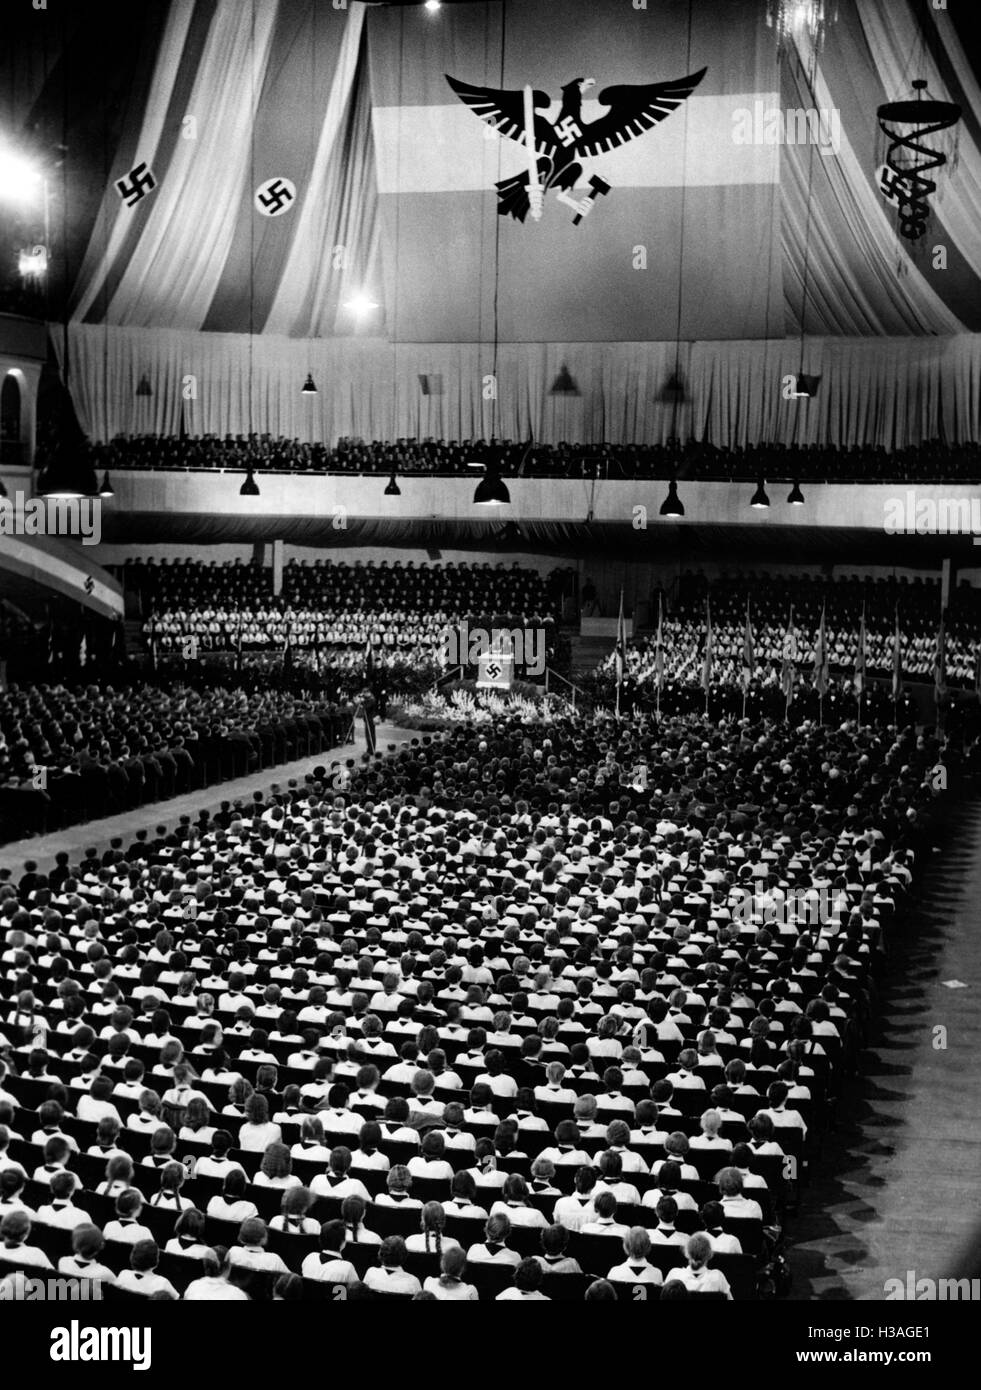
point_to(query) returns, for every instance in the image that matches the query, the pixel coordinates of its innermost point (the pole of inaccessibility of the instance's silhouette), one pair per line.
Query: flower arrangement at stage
(461, 706)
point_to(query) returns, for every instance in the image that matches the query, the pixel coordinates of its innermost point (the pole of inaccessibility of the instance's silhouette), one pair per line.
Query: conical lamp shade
(671, 506)
(564, 384)
(491, 491)
(673, 391)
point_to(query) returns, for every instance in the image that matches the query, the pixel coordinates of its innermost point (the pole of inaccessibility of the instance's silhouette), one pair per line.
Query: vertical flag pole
(659, 655)
(745, 668)
(860, 666)
(897, 669)
(621, 650)
(821, 666)
(749, 660)
(707, 663)
(789, 668)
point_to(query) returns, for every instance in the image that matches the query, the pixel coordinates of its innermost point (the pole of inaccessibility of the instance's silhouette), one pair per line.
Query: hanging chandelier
(794, 19)
(916, 137)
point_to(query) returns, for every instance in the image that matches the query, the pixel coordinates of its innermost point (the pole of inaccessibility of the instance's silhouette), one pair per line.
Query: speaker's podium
(495, 670)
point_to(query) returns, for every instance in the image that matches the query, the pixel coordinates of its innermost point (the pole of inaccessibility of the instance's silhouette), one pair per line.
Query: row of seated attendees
(65, 641)
(772, 600)
(495, 998)
(69, 754)
(402, 611)
(929, 461)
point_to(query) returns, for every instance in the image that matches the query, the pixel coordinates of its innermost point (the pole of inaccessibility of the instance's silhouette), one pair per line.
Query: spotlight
(64, 477)
(671, 506)
(105, 487)
(795, 497)
(250, 488)
(360, 304)
(760, 499)
(491, 491)
(308, 388)
(33, 260)
(432, 6)
(20, 181)
(61, 489)
(393, 489)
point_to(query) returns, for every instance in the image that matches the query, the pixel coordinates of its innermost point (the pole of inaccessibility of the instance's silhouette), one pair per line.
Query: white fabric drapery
(846, 234)
(329, 211)
(888, 391)
(177, 263)
(113, 225)
(893, 37)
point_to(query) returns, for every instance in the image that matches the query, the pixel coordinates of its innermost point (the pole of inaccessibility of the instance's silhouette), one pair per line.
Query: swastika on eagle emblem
(554, 150)
(275, 196)
(136, 184)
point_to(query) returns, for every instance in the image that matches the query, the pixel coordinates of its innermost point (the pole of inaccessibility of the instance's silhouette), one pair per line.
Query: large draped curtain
(223, 312)
(888, 391)
(244, 92)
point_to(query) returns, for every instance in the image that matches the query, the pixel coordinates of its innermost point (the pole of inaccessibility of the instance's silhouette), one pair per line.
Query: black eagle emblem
(562, 143)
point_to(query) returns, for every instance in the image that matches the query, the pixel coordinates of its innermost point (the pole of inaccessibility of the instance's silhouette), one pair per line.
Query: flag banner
(635, 130)
(821, 659)
(369, 661)
(367, 175)
(789, 657)
(659, 648)
(861, 655)
(749, 651)
(940, 666)
(221, 240)
(708, 652)
(897, 660)
(370, 736)
(620, 650)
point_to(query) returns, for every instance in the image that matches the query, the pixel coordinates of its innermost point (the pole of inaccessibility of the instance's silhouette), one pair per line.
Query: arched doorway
(11, 445)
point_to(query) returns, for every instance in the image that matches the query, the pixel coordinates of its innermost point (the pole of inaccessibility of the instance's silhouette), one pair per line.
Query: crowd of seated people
(772, 599)
(71, 754)
(494, 1024)
(929, 461)
(402, 611)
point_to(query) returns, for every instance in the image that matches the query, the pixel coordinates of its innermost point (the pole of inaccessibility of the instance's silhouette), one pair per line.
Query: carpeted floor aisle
(900, 1187)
